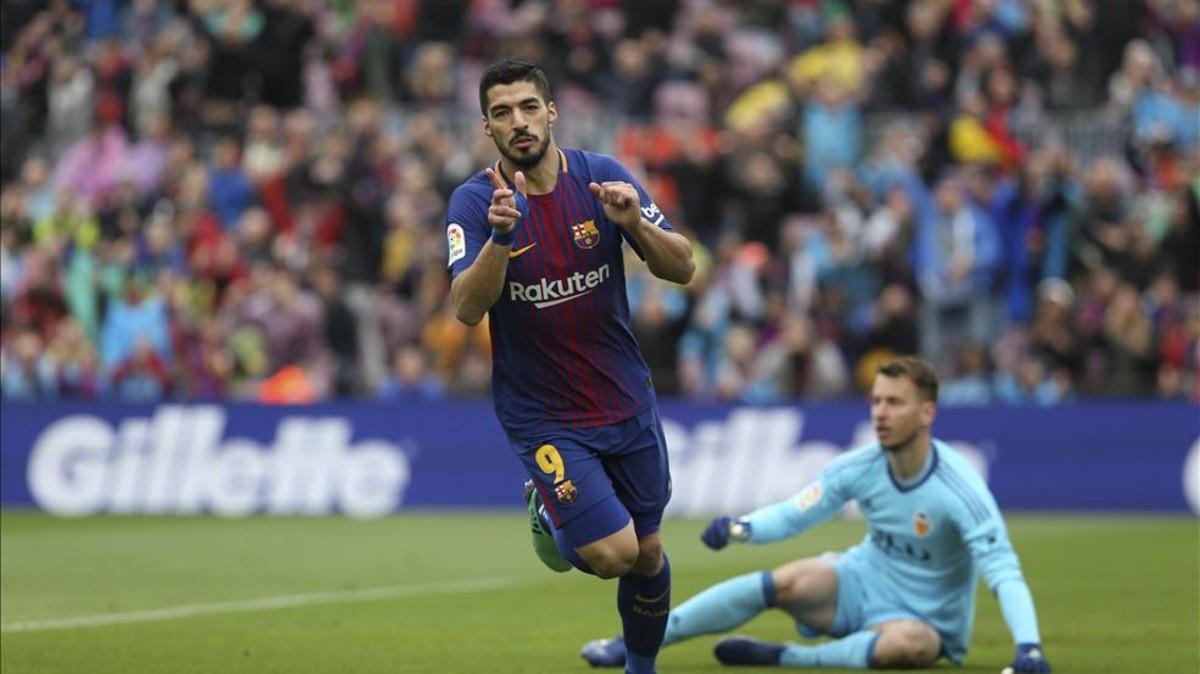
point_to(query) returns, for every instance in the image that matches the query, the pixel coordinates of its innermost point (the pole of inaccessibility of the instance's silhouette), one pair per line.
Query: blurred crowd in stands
(211, 199)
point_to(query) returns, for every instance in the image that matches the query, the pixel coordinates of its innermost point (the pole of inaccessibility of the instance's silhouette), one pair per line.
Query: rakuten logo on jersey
(173, 464)
(547, 293)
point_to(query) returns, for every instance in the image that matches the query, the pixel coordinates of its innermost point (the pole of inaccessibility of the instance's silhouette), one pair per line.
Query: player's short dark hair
(509, 70)
(918, 370)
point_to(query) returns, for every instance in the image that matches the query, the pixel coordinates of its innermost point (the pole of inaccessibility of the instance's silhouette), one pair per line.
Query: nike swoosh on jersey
(514, 254)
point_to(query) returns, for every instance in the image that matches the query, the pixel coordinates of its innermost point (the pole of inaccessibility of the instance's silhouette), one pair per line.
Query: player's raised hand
(621, 202)
(505, 212)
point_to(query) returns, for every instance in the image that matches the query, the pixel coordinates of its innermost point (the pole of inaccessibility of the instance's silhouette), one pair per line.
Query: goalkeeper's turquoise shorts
(866, 599)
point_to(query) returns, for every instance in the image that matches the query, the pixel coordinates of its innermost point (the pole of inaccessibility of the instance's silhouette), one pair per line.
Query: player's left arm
(985, 535)
(668, 253)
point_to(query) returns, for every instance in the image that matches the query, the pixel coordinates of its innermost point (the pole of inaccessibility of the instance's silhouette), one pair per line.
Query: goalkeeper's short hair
(918, 370)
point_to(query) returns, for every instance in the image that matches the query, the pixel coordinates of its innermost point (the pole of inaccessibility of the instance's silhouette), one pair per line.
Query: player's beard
(897, 446)
(527, 159)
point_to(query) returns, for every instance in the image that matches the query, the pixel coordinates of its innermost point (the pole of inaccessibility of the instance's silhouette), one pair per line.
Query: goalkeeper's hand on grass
(1030, 658)
(722, 529)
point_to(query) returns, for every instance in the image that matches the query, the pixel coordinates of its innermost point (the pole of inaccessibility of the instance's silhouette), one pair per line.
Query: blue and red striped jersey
(563, 353)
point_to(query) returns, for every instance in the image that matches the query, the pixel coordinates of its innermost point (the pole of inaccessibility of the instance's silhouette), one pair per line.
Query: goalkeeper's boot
(543, 540)
(605, 652)
(740, 650)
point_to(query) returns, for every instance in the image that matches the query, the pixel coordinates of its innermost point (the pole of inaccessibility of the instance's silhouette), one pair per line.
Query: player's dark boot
(740, 650)
(543, 540)
(605, 652)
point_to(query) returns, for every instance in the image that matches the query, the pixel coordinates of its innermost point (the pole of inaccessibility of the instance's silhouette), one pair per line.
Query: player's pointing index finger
(497, 181)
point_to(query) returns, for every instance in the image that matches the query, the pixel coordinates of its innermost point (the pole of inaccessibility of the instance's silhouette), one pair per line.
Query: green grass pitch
(435, 592)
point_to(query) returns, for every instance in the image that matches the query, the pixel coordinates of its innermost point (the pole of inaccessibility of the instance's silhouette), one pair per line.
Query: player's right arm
(817, 502)
(477, 287)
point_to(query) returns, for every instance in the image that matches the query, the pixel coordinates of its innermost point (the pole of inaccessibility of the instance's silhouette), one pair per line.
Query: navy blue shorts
(593, 480)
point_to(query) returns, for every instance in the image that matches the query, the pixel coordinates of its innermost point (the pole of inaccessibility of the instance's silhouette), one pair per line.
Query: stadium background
(210, 208)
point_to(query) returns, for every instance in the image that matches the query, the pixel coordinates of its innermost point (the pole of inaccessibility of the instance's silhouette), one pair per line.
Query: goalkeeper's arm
(813, 505)
(994, 556)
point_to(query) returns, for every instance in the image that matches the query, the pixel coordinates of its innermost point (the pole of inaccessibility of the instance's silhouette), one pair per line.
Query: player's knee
(804, 582)
(612, 566)
(906, 646)
(650, 556)
(612, 561)
(788, 586)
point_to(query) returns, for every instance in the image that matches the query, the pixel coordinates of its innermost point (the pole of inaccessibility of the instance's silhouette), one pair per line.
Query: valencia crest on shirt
(586, 234)
(921, 523)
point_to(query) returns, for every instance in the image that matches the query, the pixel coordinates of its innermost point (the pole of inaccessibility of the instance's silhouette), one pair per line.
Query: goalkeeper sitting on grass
(905, 595)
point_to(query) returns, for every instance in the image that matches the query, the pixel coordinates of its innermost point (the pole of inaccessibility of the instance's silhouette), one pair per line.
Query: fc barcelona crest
(586, 234)
(566, 492)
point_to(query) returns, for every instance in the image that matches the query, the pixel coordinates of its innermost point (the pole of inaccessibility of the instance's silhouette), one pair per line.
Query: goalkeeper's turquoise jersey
(929, 538)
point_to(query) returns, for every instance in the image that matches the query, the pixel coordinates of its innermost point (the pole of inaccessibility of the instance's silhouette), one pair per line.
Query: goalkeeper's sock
(644, 603)
(855, 651)
(722, 607)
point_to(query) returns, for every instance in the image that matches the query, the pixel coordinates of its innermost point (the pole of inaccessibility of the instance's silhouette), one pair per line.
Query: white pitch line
(260, 604)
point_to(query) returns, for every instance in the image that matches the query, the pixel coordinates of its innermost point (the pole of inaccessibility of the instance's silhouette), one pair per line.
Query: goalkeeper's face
(518, 121)
(898, 412)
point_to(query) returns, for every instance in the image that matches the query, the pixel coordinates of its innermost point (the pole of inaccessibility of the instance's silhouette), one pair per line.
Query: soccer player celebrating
(535, 243)
(905, 595)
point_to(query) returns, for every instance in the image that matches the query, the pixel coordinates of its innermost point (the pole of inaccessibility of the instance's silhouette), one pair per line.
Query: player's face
(518, 121)
(898, 412)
